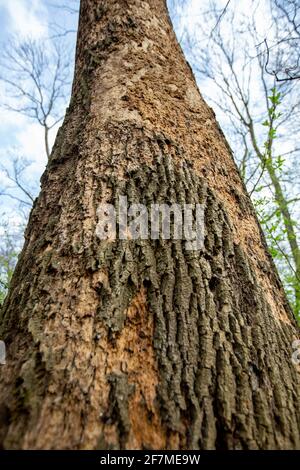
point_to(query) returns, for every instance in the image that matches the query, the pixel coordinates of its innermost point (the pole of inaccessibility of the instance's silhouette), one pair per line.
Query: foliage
(9, 250)
(278, 224)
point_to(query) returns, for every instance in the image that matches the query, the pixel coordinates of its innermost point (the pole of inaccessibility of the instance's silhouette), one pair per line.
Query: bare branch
(37, 82)
(16, 176)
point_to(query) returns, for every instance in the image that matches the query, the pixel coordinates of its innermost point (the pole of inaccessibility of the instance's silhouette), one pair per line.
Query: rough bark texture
(143, 344)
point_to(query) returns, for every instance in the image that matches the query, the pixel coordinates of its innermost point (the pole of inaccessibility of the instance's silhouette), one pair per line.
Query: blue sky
(19, 135)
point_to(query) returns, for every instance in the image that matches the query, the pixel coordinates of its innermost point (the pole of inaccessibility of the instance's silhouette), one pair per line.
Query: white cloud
(21, 136)
(31, 141)
(25, 17)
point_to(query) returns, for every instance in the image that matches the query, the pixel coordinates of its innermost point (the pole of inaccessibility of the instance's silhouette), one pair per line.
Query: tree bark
(142, 344)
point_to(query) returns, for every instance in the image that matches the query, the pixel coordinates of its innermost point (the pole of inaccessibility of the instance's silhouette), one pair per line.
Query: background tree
(9, 250)
(38, 81)
(285, 65)
(36, 76)
(260, 115)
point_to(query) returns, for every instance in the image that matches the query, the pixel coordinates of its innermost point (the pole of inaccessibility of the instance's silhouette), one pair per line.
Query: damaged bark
(144, 344)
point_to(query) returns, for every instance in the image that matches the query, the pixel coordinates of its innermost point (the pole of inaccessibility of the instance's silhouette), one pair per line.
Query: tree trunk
(143, 344)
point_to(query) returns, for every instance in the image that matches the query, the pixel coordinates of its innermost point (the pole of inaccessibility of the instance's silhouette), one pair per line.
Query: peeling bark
(143, 344)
